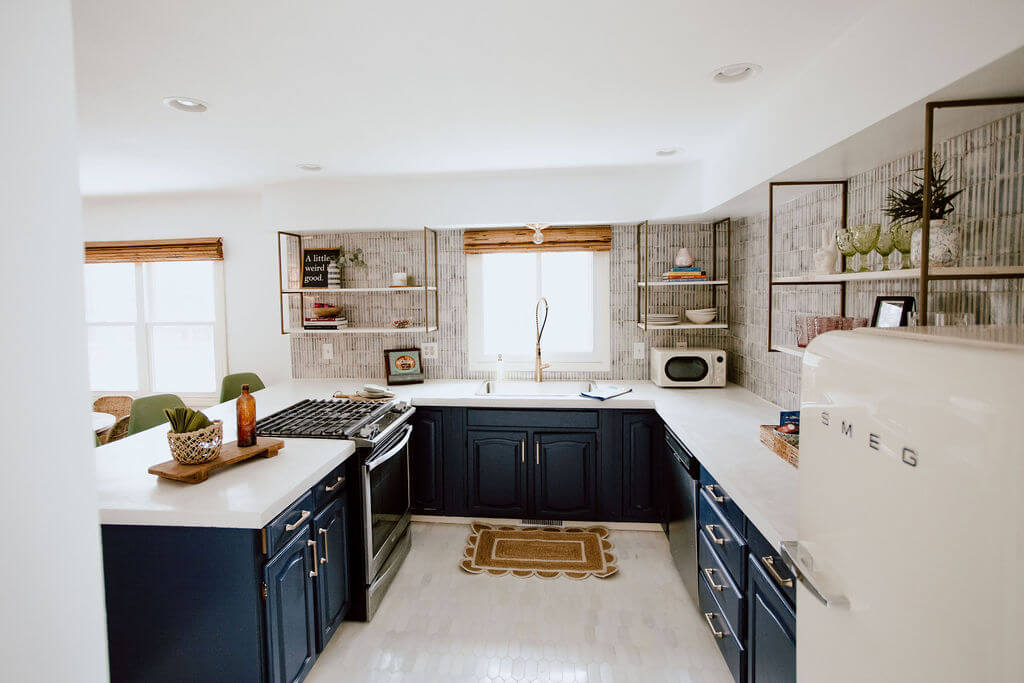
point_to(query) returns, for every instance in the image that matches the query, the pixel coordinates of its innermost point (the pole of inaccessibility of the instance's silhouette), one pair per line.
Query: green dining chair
(231, 386)
(148, 411)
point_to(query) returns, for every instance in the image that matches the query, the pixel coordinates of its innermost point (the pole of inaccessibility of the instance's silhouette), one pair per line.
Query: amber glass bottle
(246, 409)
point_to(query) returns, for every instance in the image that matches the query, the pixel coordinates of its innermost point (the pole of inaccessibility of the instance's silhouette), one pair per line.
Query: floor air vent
(541, 522)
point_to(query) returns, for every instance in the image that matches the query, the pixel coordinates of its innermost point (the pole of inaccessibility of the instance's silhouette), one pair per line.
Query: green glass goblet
(901, 235)
(864, 238)
(845, 243)
(884, 247)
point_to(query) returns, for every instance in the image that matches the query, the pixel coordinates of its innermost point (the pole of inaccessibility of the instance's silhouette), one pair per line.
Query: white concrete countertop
(245, 496)
(719, 426)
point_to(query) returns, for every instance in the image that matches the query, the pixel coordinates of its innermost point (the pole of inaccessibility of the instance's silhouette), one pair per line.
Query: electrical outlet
(639, 350)
(327, 351)
(429, 350)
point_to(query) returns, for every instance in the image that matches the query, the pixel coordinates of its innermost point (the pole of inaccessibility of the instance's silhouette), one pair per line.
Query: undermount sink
(492, 388)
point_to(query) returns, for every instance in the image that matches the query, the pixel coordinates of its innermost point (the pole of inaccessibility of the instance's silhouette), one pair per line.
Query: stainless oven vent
(541, 522)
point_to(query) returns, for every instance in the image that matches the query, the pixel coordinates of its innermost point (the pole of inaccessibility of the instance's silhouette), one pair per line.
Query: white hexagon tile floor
(439, 623)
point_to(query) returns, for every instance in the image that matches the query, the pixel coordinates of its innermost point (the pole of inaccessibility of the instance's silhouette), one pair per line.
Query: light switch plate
(429, 350)
(639, 349)
(327, 351)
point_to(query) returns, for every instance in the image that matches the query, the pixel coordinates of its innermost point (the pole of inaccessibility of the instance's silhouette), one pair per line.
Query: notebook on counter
(603, 392)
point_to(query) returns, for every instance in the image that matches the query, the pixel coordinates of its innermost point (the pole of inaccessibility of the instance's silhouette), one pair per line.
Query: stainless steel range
(381, 433)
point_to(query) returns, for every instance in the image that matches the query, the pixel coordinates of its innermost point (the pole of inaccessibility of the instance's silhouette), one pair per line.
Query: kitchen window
(503, 289)
(156, 327)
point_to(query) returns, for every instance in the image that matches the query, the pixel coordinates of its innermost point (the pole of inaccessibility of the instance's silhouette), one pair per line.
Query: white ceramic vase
(684, 258)
(825, 258)
(943, 244)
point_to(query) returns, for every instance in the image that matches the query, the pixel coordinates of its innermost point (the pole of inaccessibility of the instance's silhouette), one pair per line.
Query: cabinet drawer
(562, 419)
(728, 545)
(723, 502)
(294, 520)
(771, 562)
(720, 581)
(330, 487)
(727, 641)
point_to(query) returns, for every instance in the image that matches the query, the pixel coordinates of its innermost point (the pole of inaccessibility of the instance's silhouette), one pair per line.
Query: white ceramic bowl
(701, 317)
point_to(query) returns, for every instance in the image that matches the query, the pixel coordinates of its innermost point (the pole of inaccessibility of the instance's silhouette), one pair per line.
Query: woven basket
(778, 445)
(195, 448)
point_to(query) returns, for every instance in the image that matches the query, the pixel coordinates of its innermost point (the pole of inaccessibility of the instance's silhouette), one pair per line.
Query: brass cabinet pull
(313, 572)
(538, 451)
(708, 572)
(710, 488)
(341, 480)
(710, 528)
(708, 616)
(326, 559)
(769, 564)
(522, 453)
(298, 523)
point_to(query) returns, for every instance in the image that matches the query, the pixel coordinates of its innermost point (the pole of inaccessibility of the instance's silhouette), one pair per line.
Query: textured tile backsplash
(988, 163)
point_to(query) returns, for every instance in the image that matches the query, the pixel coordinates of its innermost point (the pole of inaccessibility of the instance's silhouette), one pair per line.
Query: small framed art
(403, 366)
(892, 311)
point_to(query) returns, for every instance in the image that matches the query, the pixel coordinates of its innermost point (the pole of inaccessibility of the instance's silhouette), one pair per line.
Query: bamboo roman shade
(563, 238)
(135, 251)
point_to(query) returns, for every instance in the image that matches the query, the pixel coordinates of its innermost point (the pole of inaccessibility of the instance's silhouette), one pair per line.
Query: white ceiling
(369, 88)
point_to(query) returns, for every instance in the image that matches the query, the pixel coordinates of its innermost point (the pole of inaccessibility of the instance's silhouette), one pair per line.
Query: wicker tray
(778, 445)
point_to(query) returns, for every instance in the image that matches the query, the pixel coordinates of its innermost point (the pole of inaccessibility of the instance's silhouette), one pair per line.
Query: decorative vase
(943, 244)
(825, 257)
(684, 258)
(333, 276)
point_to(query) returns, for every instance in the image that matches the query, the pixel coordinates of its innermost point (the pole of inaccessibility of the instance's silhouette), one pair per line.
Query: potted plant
(905, 209)
(334, 268)
(193, 438)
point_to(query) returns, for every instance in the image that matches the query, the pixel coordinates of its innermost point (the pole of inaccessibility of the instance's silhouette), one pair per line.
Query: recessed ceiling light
(186, 104)
(310, 167)
(734, 73)
(667, 151)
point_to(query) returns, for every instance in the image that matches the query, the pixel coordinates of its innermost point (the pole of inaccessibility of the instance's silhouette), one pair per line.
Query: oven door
(687, 369)
(386, 499)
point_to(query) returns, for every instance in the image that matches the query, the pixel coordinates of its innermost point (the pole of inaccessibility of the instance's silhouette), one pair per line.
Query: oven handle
(379, 460)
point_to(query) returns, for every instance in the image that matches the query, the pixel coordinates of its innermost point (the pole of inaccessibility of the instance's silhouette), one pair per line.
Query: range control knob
(399, 407)
(369, 431)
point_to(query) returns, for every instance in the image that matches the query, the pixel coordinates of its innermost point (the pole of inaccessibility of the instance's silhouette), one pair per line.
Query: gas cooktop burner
(335, 418)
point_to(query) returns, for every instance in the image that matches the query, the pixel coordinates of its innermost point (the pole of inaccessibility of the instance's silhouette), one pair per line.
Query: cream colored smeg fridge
(910, 549)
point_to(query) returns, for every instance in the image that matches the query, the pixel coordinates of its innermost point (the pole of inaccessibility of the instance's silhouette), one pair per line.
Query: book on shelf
(685, 269)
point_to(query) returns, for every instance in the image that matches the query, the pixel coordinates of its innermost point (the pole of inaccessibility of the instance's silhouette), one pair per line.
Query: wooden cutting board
(230, 454)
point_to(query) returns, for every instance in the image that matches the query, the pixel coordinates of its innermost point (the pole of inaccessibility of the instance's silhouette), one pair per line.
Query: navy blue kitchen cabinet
(565, 476)
(640, 460)
(427, 464)
(497, 473)
(215, 604)
(291, 609)
(771, 641)
(333, 589)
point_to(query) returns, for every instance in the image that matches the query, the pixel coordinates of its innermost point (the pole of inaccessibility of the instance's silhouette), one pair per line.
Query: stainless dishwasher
(682, 482)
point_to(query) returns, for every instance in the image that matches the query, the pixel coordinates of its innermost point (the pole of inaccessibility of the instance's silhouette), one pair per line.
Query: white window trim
(602, 327)
(142, 342)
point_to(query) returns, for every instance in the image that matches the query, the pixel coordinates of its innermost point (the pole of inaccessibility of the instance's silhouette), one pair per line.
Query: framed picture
(892, 311)
(314, 267)
(403, 366)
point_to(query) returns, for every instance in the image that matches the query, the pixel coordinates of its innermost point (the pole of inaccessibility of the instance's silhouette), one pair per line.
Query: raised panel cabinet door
(641, 448)
(290, 607)
(333, 589)
(427, 466)
(496, 473)
(565, 476)
(771, 630)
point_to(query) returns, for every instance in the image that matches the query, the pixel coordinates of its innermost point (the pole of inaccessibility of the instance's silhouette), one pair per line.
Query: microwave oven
(686, 367)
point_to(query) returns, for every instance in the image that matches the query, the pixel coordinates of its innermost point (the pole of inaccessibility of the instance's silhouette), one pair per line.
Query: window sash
(594, 361)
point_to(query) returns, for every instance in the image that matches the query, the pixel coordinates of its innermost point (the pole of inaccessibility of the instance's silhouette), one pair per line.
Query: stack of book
(685, 273)
(325, 323)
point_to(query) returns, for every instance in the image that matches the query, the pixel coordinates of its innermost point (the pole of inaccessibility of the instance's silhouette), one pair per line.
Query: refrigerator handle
(797, 561)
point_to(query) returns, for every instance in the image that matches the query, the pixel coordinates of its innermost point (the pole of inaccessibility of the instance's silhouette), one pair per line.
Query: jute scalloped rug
(547, 552)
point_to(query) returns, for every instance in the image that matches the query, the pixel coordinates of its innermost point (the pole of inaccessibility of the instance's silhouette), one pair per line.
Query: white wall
(573, 195)
(52, 615)
(254, 341)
